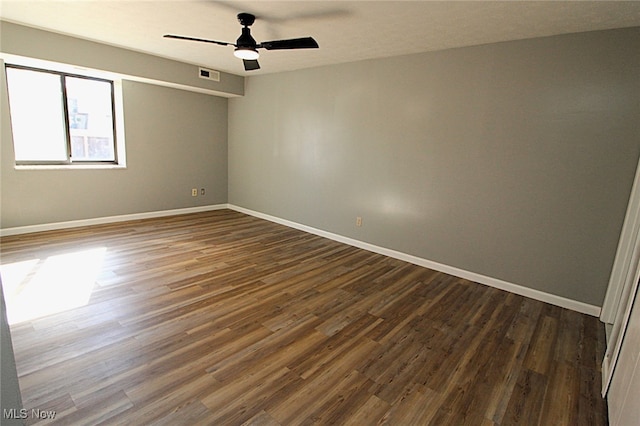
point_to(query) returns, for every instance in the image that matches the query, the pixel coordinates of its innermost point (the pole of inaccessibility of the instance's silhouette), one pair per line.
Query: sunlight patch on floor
(39, 287)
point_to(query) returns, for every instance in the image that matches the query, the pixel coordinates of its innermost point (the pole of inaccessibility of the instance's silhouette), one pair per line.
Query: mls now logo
(14, 413)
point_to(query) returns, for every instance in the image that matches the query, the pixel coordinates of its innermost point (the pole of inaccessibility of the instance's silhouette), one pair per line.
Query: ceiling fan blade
(294, 43)
(251, 64)
(221, 43)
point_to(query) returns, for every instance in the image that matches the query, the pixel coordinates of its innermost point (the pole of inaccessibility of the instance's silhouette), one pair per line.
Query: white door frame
(623, 283)
(620, 273)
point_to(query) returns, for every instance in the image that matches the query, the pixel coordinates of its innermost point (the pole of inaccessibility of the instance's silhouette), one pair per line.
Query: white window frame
(120, 145)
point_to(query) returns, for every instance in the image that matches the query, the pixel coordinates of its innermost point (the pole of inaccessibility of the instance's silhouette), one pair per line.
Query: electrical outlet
(201, 191)
(194, 192)
(358, 221)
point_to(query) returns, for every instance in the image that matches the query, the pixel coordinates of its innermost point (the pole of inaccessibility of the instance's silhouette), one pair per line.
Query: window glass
(90, 119)
(37, 115)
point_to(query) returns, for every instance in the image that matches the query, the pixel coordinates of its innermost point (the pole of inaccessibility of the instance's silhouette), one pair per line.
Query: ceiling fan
(246, 47)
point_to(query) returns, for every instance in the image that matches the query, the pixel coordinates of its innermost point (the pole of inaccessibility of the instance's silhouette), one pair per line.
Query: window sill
(69, 167)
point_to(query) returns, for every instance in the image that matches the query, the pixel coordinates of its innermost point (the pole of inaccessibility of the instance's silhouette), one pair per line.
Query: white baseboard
(471, 276)
(553, 299)
(107, 219)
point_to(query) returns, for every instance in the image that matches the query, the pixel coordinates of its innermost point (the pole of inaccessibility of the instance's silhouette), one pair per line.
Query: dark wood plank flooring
(222, 318)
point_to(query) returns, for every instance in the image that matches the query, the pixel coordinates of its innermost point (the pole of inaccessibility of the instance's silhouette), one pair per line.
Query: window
(60, 118)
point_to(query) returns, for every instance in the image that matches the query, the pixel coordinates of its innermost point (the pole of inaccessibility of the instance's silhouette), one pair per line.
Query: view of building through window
(90, 119)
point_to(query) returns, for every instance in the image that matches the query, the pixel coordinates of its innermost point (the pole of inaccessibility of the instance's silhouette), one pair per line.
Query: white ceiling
(346, 30)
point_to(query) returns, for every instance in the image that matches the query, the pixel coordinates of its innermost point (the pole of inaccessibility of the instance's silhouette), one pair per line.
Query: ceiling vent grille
(208, 74)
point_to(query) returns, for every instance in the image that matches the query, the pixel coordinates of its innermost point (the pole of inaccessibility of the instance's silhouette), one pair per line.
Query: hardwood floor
(222, 318)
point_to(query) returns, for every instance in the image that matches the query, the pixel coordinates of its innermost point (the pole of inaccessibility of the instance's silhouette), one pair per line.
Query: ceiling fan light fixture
(246, 53)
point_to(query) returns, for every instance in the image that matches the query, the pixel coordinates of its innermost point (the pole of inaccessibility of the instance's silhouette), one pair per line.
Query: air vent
(208, 74)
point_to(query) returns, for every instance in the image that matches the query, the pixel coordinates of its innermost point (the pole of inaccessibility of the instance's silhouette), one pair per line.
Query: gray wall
(175, 140)
(511, 160)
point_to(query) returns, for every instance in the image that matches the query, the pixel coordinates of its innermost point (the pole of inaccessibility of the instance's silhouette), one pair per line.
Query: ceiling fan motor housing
(245, 41)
